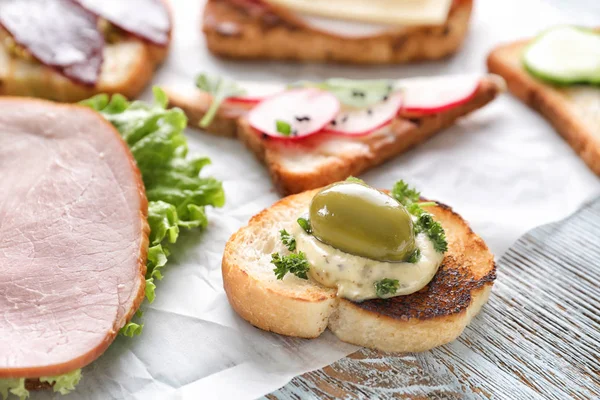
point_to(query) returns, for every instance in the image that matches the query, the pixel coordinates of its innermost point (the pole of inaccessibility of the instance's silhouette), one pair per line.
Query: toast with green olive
(299, 304)
(243, 29)
(297, 163)
(569, 100)
(118, 53)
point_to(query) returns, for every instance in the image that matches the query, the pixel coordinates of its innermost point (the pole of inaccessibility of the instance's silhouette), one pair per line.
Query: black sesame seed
(344, 119)
(369, 111)
(358, 93)
(386, 97)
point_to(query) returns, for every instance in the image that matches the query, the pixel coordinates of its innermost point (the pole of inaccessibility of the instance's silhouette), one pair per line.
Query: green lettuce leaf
(15, 386)
(65, 383)
(177, 194)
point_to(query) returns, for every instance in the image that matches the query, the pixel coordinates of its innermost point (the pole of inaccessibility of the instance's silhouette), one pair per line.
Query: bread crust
(232, 32)
(435, 315)
(33, 382)
(559, 105)
(406, 132)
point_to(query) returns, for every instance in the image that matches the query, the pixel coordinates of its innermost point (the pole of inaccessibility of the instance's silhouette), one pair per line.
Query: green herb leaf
(409, 197)
(283, 127)
(220, 89)
(295, 263)
(288, 240)
(405, 194)
(305, 224)
(386, 287)
(414, 257)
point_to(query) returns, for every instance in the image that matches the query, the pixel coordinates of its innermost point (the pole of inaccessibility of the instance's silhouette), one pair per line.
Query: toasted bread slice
(231, 31)
(431, 317)
(572, 110)
(127, 68)
(322, 159)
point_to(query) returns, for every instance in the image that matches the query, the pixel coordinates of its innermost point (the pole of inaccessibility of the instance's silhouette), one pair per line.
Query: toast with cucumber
(342, 31)
(385, 270)
(557, 74)
(122, 47)
(310, 134)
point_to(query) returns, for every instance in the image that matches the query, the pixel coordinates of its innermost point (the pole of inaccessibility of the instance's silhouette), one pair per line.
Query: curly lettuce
(177, 194)
(65, 383)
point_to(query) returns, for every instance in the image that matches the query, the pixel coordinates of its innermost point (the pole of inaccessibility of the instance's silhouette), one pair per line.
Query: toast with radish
(329, 32)
(123, 46)
(273, 281)
(568, 97)
(318, 133)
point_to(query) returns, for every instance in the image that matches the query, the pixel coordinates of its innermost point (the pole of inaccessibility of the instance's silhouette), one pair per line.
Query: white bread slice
(127, 68)
(574, 111)
(233, 32)
(323, 159)
(296, 307)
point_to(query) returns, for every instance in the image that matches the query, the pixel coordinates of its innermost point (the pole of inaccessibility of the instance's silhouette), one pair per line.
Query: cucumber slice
(565, 55)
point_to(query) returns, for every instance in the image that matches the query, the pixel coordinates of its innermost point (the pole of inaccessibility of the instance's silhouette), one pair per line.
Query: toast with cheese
(317, 161)
(127, 68)
(433, 316)
(572, 110)
(232, 31)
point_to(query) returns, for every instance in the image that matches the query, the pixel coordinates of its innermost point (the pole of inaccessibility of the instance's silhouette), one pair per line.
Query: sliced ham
(73, 237)
(147, 19)
(57, 33)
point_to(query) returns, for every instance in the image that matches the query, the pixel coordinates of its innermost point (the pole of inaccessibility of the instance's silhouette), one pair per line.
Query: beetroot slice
(147, 19)
(366, 120)
(57, 33)
(429, 95)
(306, 111)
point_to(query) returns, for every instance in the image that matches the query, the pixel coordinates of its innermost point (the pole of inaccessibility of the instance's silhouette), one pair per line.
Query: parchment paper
(503, 168)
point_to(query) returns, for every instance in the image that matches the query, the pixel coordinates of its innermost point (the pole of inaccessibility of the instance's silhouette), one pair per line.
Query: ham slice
(73, 237)
(57, 33)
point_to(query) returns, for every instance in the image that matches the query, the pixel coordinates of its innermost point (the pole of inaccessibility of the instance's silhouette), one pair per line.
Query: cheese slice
(389, 12)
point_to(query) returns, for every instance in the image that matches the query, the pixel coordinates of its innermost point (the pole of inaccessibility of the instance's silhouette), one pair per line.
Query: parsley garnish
(283, 127)
(386, 287)
(288, 240)
(220, 89)
(295, 263)
(409, 197)
(414, 257)
(405, 194)
(305, 224)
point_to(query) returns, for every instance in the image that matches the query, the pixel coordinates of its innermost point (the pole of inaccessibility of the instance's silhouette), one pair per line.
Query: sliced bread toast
(231, 31)
(322, 159)
(435, 315)
(572, 110)
(127, 68)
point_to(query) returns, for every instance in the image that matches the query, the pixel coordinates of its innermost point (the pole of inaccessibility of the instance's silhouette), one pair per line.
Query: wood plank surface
(537, 338)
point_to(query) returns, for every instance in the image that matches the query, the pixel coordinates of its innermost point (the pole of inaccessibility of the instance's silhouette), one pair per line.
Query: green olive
(360, 220)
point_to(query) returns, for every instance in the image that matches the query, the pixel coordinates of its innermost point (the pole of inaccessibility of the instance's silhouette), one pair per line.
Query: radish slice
(366, 120)
(257, 91)
(435, 94)
(307, 111)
